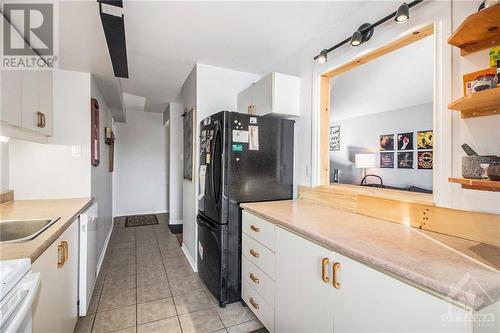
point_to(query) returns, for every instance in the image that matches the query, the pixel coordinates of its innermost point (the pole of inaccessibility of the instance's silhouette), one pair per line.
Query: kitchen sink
(14, 231)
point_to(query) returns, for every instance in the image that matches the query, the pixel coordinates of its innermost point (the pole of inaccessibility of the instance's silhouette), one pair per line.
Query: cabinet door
(244, 100)
(370, 301)
(45, 309)
(286, 95)
(304, 303)
(10, 101)
(68, 280)
(37, 97)
(263, 95)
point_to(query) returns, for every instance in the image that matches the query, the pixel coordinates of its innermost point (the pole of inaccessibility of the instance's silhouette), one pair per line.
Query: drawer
(259, 229)
(258, 305)
(258, 280)
(257, 253)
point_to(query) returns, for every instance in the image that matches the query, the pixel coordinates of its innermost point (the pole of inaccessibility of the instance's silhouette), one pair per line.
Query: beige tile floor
(147, 285)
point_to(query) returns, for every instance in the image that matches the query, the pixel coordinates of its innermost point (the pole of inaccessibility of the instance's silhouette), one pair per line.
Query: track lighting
(402, 14)
(365, 32)
(322, 57)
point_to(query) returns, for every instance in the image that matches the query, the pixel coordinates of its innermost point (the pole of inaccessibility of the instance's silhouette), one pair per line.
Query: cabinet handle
(43, 120)
(254, 228)
(254, 278)
(39, 119)
(255, 305)
(60, 256)
(254, 253)
(336, 267)
(65, 250)
(324, 270)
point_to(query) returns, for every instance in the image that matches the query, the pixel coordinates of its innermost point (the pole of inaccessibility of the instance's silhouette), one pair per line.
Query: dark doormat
(140, 220)
(179, 238)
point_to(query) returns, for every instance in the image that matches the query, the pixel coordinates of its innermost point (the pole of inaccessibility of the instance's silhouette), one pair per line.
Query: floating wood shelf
(477, 184)
(477, 32)
(478, 104)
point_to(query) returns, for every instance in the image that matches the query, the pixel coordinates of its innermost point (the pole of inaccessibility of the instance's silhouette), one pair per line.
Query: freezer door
(260, 164)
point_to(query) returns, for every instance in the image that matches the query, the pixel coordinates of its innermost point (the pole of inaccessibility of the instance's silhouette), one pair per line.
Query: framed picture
(94, 133)
(425, 139)
(386, 160)
(425, 159)
(334, 138)
(405, 160)
(387, 142)
(405, 141)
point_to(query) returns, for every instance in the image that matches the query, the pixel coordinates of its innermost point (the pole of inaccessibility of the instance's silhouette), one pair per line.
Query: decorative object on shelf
(364, 32)
(94, 132)
(425, 160)
(386, 160)
(405, 141)
(405, 160)
(334, 138)
(469, 78)
(484, 82)
(484, 170)
(498, 72)
(387, 142)
(425, 139)
(494, 170)
(366, 161)
(471, 164)
(494, 55)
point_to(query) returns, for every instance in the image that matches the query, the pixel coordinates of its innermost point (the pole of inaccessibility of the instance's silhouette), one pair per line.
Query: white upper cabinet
(277, 94)
(37, 101)
(10, 111)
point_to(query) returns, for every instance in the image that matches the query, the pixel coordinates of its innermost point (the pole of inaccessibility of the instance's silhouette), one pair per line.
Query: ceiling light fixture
(402, 14)
(367, 32)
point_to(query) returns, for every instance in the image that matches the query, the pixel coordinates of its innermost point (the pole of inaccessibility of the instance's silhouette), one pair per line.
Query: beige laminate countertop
(466, 271)
(67, 209)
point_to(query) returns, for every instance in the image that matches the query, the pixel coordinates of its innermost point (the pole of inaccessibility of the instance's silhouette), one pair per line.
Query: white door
(370, 301)
(69, 280)
(304, 302)
(10, 101)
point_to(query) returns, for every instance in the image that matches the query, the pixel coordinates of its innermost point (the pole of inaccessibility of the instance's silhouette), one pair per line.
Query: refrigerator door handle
(221, 180)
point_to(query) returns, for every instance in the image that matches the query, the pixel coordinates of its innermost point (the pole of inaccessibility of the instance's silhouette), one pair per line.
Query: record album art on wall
(425, 139)
(386, 160)
(405, 141)
(387, 142)
(424, 159)
(334, 138)
(405, 160)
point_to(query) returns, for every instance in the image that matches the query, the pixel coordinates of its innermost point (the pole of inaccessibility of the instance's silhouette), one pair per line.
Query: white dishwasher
(18, 288)
(87, 263)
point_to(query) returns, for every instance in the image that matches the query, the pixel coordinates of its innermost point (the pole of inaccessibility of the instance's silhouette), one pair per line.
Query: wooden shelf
(477, 32)
(478, 104)
(477, 184)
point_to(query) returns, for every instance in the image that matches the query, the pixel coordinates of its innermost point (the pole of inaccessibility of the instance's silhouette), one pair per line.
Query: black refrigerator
(243, 158)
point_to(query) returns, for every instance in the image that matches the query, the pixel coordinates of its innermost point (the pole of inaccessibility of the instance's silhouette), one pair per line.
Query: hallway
(147, 285)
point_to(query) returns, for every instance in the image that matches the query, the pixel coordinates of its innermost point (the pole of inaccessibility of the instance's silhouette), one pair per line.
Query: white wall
(361, 135)
(101, 178)
(47, 171)
(140, 180)
(209, 89)
(175, 160)
(4, 166)
(482, 132)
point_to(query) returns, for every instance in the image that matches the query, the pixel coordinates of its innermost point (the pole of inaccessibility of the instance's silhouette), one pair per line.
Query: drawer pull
(64, 245)
(324, 270)
(254, 228)
(336, 268)
(254, 278)
(254, 253)
(60, 256)
(255, 305)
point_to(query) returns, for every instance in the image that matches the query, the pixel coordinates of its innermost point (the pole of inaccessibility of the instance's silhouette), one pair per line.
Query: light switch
(76, 151)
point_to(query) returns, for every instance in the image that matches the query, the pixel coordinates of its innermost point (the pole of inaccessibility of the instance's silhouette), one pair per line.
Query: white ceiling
(399, 79)
(165, 39)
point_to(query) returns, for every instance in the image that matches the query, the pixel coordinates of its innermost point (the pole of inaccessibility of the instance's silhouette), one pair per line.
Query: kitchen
(250, 231)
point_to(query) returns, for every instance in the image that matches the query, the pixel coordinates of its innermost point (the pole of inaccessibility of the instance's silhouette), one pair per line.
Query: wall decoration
(386, 160)
(425, 139)
(425, 159)
(405, 160)
(405, 141)
(94, 132)
(387, 142)
(188, 135)
(334, 138)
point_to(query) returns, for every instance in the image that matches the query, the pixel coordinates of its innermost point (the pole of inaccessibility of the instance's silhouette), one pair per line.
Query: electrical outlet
(76, 151)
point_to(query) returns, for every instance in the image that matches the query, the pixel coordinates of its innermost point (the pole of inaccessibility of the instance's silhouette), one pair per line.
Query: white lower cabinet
(55, 307)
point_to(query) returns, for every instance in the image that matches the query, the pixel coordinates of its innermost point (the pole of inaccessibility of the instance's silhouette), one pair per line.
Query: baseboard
(104, 248)
(189, 258)
(175, 228)
(173, 222)
(140, 213)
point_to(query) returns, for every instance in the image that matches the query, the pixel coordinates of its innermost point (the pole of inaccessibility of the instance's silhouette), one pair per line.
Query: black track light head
(322, 57)
(363, 34)
(402, 14)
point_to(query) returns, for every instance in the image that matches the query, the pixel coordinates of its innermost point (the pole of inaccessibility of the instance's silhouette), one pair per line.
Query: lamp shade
(365, 161)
